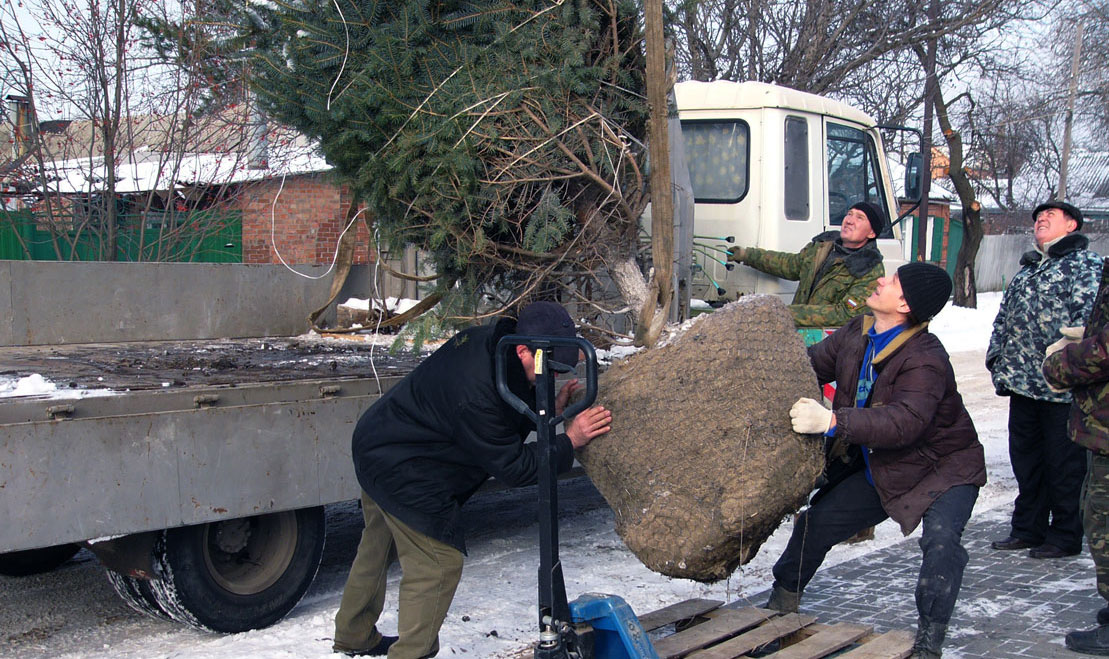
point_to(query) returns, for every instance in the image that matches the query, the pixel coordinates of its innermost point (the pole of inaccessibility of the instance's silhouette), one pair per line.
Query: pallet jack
(595, 625)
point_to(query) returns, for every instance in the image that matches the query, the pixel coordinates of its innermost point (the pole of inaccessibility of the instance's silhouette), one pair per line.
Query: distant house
(1087, 188)
(256, 197)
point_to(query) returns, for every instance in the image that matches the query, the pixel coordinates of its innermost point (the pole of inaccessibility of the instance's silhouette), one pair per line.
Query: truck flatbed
(161, 365)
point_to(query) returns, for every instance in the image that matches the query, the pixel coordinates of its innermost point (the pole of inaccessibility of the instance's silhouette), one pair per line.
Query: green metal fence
(198, 237)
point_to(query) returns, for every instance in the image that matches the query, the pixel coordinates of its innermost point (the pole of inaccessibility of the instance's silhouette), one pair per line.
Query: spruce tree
(504, 139)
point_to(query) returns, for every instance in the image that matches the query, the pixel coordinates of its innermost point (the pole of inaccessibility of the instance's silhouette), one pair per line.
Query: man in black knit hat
(836, 272)
(913, 451)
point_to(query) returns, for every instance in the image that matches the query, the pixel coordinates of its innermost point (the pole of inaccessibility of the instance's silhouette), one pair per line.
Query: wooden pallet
(700, 629)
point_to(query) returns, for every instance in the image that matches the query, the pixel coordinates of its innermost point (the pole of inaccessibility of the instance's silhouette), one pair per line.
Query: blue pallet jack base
(617, 633)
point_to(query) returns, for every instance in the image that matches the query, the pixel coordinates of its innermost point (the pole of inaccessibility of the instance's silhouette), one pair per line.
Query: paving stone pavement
(1010, 605)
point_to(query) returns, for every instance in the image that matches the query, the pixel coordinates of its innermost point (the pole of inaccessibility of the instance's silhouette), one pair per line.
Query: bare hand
(588, 425)
(563, 397)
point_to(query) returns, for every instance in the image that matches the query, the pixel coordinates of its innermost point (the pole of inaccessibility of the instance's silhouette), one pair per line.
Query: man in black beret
(1053, 291)
(836, 272)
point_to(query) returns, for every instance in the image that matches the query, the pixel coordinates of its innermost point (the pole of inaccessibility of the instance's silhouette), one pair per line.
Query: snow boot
(1093, 641)
(929, 639)
(784, 600)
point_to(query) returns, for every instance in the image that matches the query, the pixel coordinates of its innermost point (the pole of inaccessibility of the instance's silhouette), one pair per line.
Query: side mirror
(914, 176)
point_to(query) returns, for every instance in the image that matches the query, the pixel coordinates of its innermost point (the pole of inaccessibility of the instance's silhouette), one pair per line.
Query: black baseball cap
(549, 319)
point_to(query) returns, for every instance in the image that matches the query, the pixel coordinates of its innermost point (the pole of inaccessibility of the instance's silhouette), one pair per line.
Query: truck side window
(717, 154)
(853, 173)
(796, 156)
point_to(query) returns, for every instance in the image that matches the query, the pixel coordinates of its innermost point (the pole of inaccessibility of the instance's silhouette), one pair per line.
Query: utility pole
(1061, 193)
(662, 199)
(923, 213)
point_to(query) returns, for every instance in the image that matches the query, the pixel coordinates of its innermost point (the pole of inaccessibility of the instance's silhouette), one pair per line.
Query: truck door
(853, 172)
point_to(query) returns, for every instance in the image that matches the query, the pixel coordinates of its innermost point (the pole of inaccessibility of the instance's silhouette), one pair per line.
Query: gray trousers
(430, 571)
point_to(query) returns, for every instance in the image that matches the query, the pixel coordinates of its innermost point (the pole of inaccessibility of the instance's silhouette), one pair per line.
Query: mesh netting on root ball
(701, 464)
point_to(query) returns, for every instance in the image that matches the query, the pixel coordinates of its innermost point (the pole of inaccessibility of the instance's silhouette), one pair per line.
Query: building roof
(149, 170)
(215, 152)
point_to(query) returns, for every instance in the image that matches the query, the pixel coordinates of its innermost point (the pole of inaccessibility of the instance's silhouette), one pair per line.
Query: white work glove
(1070, 335)
(810, 417)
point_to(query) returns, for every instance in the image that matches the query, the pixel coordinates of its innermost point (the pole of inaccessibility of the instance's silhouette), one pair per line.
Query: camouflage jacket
(1047, 294)
(1084, 367)
(841, 292)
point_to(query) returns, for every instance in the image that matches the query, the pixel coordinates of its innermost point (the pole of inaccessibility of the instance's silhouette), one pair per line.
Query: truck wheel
(137, 593)
(238, 574)
(36, 561)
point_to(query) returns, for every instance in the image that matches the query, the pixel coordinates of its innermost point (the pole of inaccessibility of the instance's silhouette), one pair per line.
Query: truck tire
(238, 574)
(36, 561)
(138, 593)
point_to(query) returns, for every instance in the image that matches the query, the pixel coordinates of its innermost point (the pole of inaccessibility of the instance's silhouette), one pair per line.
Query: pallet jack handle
(554, 611)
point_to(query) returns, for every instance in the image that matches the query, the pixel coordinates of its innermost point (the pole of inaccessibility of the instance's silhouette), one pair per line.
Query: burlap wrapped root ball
(701, 465)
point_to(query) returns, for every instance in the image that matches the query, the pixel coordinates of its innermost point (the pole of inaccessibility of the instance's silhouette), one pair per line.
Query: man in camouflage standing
(1054, 288)
(1082, 365)
(836, 272)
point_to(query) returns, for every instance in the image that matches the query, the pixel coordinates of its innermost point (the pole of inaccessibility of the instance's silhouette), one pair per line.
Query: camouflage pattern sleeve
(784, 265)
(836, 313)
(1080, 364)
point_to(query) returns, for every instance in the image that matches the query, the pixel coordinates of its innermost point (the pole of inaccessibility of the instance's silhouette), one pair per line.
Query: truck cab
(772, 167)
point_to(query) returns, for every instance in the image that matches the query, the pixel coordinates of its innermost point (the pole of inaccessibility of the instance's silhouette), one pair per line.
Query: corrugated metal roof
(1088, 178)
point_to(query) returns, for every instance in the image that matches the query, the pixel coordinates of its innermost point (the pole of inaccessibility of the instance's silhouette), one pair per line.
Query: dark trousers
(1049, 469)
(853, 504)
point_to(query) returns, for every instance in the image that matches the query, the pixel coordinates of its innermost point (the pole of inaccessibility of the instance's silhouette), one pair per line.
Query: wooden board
(725, 625)
(896, 644)
(683, 610)
(730, 633)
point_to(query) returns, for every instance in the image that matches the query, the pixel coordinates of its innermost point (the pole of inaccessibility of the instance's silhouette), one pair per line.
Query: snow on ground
(493, 611)
(36, 385)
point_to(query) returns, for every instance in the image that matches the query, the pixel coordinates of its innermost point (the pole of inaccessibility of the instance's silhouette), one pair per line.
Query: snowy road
(73, 612)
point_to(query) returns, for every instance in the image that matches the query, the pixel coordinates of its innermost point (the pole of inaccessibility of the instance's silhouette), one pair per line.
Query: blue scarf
(875, 344)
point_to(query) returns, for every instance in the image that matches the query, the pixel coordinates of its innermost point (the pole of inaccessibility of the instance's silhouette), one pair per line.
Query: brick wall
(305, 222)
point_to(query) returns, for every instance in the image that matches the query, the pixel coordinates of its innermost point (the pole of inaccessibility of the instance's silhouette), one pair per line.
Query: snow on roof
(1088, 179)
(148, 170)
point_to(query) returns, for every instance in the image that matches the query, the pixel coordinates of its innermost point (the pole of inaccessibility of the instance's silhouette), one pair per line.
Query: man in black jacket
(421, 451)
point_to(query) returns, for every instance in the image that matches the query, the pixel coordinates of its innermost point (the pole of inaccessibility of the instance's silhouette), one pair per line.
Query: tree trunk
(966, 288)
(966, 294)
(656, 308)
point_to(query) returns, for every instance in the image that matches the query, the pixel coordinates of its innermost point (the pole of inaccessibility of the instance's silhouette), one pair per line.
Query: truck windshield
(717, 155)
(853, 173)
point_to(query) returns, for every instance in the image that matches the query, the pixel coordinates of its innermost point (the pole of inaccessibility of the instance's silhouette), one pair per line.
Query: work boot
(785, 601)
(929, 639)
(1093, 641)
(379, 650)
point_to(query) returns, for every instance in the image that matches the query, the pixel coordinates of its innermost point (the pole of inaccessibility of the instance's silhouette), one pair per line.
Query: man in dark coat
(421, 451)
(916, 455)
(1079, 362)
